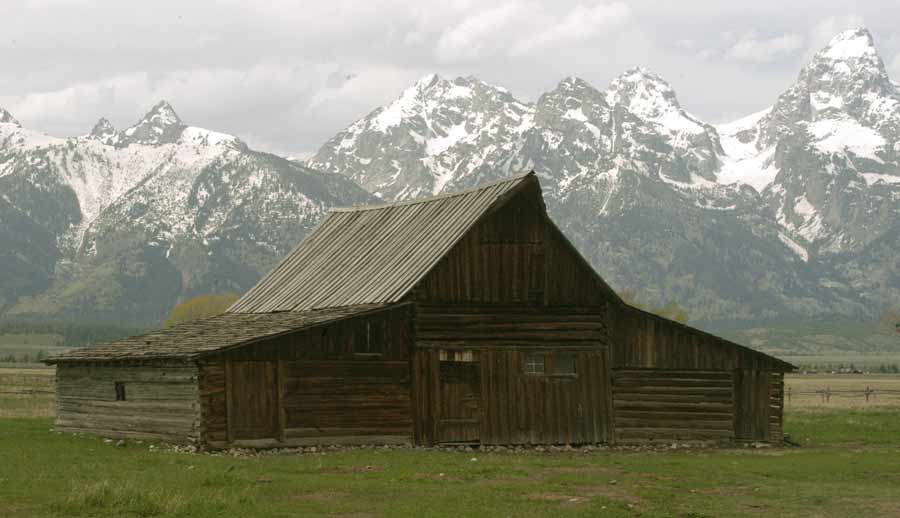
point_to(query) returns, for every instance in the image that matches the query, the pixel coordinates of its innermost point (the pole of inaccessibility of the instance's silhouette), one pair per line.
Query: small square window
(369, 339)
(120, 391)
(534, 364)
(564, 363)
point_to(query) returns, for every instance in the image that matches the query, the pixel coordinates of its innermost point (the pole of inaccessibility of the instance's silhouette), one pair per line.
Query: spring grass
(849, 465)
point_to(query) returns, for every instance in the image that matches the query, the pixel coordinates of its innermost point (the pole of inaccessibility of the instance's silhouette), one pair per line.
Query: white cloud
(482, 34)
(766, 50)
(581, 23)
(826, 29)
(288, 75)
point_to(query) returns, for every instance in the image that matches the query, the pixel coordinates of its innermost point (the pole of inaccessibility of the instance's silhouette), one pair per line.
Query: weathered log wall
(347, 382)
(474, 325)
(666, 405)
(161, 401)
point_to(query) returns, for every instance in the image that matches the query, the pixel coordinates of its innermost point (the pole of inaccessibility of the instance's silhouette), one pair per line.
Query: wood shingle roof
(193, 339)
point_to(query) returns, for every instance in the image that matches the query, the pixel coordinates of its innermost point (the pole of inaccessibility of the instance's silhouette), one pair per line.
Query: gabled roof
(194, 339)
(373, 255)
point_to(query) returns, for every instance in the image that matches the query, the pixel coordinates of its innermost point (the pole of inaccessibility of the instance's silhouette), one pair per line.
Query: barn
(463, 318)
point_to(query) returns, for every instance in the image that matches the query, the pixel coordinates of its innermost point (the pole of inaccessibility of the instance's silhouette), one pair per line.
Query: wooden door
(252, 400)
(751, 405)
(459, 414)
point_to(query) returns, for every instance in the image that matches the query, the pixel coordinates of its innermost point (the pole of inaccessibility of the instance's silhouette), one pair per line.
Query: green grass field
(848, 465)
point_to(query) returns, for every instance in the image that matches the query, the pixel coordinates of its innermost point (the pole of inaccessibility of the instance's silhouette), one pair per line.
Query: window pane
(564, 363)
(534, 364)
(120, 391)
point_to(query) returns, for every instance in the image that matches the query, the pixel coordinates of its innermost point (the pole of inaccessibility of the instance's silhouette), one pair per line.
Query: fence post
(827, 394)
(789, 394)
(867, 393)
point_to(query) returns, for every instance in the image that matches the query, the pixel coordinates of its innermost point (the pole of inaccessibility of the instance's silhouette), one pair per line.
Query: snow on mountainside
(661, 201)
(125, 222)
(829, 147)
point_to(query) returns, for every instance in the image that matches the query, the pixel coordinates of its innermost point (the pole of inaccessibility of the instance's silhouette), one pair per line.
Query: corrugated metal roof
(372, 255)
(192, 339)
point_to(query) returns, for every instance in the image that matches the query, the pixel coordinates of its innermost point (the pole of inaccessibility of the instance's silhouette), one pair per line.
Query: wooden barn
(463, 318)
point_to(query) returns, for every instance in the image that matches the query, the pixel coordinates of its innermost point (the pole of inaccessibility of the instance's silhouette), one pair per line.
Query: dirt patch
(583, 470)
(342, 470)
(582, 494)
(557, 497)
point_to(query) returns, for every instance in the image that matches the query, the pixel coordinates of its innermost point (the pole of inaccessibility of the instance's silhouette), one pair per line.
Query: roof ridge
(442, 196)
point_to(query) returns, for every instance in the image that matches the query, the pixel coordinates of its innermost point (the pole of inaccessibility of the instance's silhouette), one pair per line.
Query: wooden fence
(869, 394)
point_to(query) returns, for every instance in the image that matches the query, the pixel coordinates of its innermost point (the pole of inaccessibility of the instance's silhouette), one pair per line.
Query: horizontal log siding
(346, 398)
(161, 401)
(671, 405)
(473, 326)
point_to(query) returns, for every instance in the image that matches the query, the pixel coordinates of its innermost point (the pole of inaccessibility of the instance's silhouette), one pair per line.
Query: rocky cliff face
(786, 212)
(121, 224)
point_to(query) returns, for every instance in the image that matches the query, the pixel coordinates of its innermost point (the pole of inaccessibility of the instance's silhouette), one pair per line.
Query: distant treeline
(884, 368)
(73, 334)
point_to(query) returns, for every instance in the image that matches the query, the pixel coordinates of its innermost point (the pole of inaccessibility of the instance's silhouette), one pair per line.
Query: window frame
(549, 364)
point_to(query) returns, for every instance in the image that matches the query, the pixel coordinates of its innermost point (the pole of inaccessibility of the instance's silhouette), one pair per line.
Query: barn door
(459, 415)
(751, 405)
(252, 400)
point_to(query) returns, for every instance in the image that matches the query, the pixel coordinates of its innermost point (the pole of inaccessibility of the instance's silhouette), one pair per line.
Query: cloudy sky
(286, 75)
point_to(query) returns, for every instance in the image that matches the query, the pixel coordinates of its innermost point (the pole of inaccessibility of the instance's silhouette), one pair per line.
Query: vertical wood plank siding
(643, 340)
(160, 401)
(328, 390)
(515, 255)
(518, 408)
(776, 406)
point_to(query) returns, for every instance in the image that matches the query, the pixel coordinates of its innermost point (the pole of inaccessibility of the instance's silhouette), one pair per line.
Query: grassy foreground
(849, 466)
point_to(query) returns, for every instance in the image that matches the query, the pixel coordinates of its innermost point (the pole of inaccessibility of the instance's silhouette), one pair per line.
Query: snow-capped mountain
(123, 223)
(782, 212)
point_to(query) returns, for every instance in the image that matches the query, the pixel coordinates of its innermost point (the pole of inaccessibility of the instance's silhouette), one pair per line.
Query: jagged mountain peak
(103, 130)
(853, 43)
(7, 118)
(162, 114)
(844, 81)
(847, 63)
(431, 93)
(161, 125)
(644, 92)
(574, 84)
(646, 95)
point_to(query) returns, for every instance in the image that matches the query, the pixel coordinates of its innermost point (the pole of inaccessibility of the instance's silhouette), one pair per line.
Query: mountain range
(790, 213)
